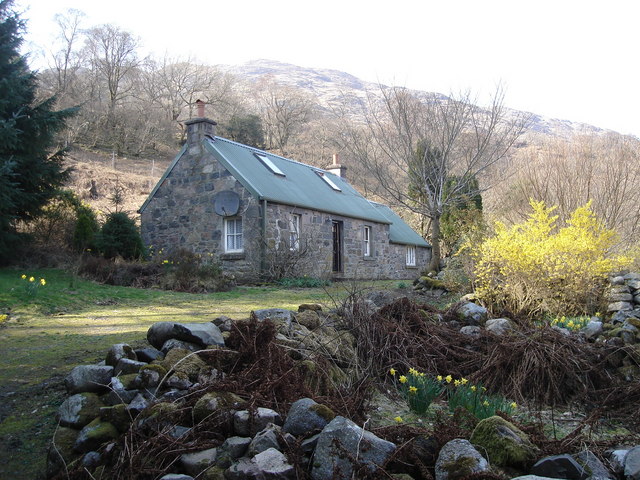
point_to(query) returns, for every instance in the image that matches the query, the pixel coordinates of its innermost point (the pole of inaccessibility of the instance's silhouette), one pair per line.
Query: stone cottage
(264, 215)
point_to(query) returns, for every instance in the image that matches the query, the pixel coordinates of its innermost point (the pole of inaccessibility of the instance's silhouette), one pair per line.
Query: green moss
(633, 321)
(94, 435)
(432, 283)
(128, 379)
(213, 402)
(118, 416)
(461, 467)
(324, 411)
(505, 445)
(212, 473)
(179, 360)
(156, 367)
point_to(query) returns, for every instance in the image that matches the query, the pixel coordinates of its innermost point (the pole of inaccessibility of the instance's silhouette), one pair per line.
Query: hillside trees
(423, 141)
(31, 167)
(568, 173)
(284, 112)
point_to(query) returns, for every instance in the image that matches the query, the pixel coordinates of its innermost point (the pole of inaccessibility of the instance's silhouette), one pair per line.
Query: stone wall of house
(181, 213)
(386, 261)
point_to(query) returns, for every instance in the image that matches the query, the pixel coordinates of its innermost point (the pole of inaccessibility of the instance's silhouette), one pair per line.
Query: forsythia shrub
(537, 267)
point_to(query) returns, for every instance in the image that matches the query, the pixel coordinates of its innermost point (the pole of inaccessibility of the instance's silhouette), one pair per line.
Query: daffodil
(439, 378)
(448, 378)
(398, 419)
(485, 403)
(43, 282)
(413, 371)
(412, 389)
(31, 279)
(463, 381)
(403, 379)
(513, 405)
(473, 388)
(392, 371)
(456, 382)
(23, 276)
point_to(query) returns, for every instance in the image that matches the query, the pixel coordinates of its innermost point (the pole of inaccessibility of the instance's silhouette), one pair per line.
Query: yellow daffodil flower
(439, 378)
(31, 279)
(513, 405)
(412, 389)
(456, 382)
(463, 381)
(485, 403)
(403, 379)
(398, 419)
(23, 277)
(448, 378)
(473, 388)
(43, 282)
(392, 371)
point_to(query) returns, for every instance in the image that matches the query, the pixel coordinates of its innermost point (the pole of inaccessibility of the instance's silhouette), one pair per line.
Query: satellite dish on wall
(226, 203)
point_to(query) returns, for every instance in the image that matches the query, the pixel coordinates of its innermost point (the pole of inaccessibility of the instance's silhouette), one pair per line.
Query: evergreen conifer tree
(31, 169)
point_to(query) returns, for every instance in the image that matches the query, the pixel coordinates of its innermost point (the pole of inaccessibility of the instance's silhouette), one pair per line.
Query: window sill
(411, 266)
(233, 256)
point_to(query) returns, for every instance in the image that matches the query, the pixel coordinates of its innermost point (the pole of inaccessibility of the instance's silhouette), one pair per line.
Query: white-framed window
(411, 256)
(233, 235)
(366, 241)
(294, 232)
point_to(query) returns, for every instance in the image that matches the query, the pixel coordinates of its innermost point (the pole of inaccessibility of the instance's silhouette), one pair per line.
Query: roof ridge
(258, 150)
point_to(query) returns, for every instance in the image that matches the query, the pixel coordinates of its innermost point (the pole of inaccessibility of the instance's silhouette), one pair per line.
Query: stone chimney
(336, 168)
(200, 127)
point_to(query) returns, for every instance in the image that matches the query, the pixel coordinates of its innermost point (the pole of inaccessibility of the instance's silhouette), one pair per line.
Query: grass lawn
(51, 328)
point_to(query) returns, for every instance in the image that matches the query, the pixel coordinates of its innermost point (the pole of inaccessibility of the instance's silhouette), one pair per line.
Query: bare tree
(112, 53)
(413, 144)
(284, 111)
(67, 60)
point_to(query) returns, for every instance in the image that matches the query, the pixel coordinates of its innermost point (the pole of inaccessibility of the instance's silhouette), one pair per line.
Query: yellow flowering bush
(539, 267)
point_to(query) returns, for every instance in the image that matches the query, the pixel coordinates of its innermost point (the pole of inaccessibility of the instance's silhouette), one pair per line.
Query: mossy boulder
(309, 319)
(306, 415)
(93, 435)
(458, 459)
(129, 380)
(213, 402)
(503, 443)
(182, 360)
(61, 451)
(118, 415)
(79, 409)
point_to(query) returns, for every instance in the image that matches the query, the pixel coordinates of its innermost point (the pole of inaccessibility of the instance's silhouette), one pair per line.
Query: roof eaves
(163, 178)
(342, 214)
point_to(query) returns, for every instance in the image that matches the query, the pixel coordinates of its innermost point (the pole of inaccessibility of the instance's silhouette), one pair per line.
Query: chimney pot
(335, 159)
(200, 105)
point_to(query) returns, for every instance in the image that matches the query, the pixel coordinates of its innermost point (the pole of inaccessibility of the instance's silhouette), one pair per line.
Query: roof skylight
(328, 181)
(267, 162)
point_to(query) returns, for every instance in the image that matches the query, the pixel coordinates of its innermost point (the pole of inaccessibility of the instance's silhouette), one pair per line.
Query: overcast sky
(577, 60)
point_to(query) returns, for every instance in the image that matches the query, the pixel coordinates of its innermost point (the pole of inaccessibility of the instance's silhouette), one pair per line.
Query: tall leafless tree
(413, 144)
(284, 111)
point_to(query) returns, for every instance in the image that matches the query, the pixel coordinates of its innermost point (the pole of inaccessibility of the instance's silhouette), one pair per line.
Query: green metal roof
(300, 186)
(399, 231)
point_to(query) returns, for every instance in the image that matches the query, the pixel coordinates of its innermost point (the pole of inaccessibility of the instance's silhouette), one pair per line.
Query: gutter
(263, 234)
